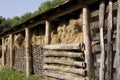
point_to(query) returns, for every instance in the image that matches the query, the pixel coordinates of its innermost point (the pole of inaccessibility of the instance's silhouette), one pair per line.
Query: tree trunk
(101, 25)
(3, 51)
(87, 42)
(28, 54)
(11, 50)
(109, 42)
(48, 33)
(118, 43)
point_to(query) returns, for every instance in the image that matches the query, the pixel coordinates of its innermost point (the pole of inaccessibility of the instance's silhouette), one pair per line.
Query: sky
(11, 8)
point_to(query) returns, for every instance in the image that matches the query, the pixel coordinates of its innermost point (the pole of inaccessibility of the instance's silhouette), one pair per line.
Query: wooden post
(109, 42)
(28, 55)
(47, 33)
(101, 25)
(87, 41)
(11, 50)
(3, 52)
(118, 43)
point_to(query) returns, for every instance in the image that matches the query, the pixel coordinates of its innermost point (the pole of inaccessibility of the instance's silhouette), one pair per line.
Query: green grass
(9, 74)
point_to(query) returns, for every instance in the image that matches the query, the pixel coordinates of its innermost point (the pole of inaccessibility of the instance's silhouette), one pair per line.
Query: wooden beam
(78, 46)
(11, 50)
(63, 77)
(47, 32)
(27, 49)
(87, 42)
(101, 26)
(118, 43)
(3, 51)
(68, 70)
(61, 54)
(109, 41)
(65, 62)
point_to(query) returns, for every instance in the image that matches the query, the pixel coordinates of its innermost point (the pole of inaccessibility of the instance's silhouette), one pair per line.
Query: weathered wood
(78, 46)
(48, 32)
(62, 54)
(87, 41)
(101, 25)
(3, 51)
(68, 70)
(28, 55)
(65, 62)
(118, 43)
(11, 50)
(109, 41)
(63, 77)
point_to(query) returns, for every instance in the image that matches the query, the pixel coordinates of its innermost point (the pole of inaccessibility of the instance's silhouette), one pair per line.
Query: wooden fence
(75, 65)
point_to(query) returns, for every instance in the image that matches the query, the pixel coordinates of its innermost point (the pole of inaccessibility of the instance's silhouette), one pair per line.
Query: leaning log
(62, 54)
(66, 62)
(101, 25)
(63, 77)
(87, 41)
(118, 44)
(78, 46)
(109, 41)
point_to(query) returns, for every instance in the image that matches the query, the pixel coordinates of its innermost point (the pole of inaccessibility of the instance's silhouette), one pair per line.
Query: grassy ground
(9, 74)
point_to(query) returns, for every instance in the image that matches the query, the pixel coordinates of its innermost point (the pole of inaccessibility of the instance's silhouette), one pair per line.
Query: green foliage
(9, 74)
(15, 21)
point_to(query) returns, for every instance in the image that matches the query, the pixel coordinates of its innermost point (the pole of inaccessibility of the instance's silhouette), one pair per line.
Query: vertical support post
(118, 43)
(28, 54)
(11, 50)
(3, 51)
(101, 26)
(87, 41)
(47, 32)
(109, 42)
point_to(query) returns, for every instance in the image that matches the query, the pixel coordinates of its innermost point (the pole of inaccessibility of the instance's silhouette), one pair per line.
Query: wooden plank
(101, 25)
(3, 51)
(87, 42)
(11, 50)
(65, 62)
(63, 77)
(109, 41)
(62, 54)
(78, 46)
(47, 32)
(28, 55)
(68, 70)
(118, 43)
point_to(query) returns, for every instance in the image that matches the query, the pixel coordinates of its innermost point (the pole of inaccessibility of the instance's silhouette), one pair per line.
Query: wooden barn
(75, 40)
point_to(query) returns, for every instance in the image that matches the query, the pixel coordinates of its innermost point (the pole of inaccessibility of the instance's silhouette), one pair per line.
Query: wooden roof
(64, 8)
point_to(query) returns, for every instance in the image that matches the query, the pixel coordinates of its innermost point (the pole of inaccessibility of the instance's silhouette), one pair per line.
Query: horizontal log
(63, 77)
(69, 70)
(65, 46)
(62, 54)
(66, 62)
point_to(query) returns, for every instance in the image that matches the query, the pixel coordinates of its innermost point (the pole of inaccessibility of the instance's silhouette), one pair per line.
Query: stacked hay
(71, 33)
